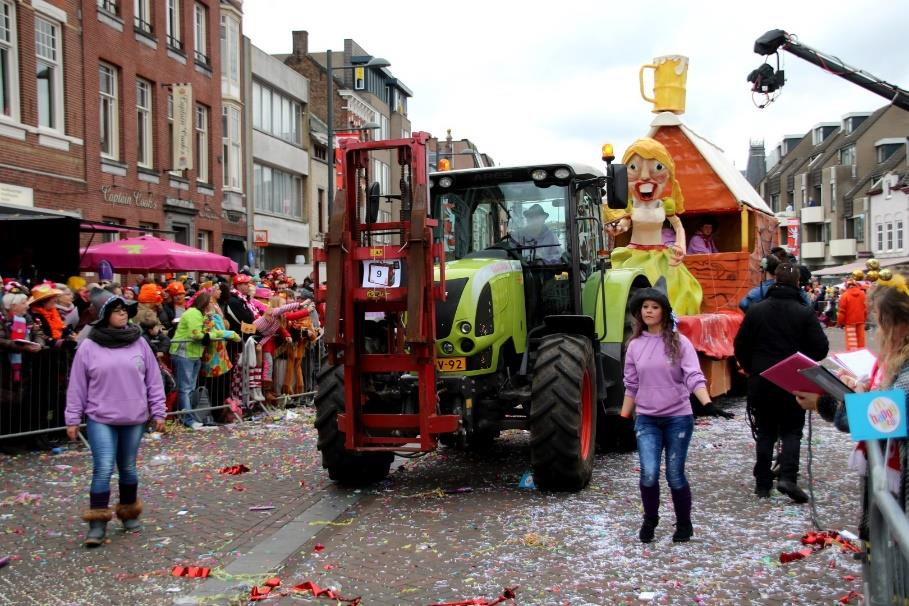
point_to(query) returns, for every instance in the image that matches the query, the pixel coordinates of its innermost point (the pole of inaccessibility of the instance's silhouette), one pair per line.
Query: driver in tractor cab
(537, 233)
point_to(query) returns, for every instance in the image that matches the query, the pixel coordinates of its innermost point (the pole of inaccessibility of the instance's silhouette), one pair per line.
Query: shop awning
(848, 268)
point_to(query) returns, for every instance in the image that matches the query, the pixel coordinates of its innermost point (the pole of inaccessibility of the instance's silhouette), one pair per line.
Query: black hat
(650, 294)
(535, 211)
(710, 220)
(108, 307)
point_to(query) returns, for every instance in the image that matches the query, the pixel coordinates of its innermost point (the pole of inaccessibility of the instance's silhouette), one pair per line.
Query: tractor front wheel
(563, 413)
(344, 466)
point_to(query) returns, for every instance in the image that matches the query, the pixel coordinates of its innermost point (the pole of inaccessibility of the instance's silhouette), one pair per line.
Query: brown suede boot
(129, 515)
(97, 525)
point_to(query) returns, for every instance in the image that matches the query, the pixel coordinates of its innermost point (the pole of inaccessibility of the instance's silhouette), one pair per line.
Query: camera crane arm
(767, 80)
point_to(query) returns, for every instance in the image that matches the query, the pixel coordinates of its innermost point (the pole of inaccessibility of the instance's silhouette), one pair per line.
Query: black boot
(650, 497)
(130, 508)
(97, 516)
(792, 490)
(681, 502)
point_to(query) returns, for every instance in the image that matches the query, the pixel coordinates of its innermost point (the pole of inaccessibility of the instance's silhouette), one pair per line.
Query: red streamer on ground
(507, 594)
(310, 587)
(234, 470)
(818, 541)
(193, 572)
(846, 599)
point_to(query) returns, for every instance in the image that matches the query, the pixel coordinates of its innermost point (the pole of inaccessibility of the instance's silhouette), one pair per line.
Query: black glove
(713, 411)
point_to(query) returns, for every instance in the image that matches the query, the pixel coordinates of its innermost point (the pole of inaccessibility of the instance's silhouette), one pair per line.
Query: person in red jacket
(851, 315)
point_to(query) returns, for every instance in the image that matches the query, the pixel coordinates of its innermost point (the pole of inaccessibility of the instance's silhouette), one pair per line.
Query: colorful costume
(650, 172)
(851, 316)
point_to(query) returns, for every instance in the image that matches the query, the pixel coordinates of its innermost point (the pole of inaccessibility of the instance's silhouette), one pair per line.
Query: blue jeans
(113, 443)
(672, 434)
(186, 373)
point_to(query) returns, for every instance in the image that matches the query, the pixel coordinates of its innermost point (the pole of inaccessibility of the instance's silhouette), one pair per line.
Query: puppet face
(648, 179)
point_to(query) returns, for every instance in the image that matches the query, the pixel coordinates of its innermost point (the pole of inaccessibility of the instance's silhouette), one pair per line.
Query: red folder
(786, 375)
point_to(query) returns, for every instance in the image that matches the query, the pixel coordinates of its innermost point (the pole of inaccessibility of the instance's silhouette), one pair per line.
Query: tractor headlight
(445, 182)
(562, 173)
(538, 174)
(447, 348)
(465, 328)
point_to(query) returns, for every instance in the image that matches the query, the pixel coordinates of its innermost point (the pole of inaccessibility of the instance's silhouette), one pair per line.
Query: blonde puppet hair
(651, 149)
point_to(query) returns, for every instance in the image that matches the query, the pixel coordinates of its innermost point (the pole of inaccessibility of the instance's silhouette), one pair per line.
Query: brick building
(92, 133)
(42, 158)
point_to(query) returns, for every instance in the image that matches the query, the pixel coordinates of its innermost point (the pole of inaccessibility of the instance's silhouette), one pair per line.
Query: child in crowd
(15, 307)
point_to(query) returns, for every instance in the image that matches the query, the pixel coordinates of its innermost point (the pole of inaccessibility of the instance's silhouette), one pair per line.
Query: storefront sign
(260, 237)
(792, 235)
(136, 198)
(14, 194)
(183, 127)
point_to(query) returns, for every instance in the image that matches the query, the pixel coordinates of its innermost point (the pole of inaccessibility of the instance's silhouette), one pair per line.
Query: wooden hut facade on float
(712, 186)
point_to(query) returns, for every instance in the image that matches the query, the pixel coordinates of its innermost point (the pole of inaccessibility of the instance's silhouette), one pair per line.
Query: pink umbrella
(148, 253)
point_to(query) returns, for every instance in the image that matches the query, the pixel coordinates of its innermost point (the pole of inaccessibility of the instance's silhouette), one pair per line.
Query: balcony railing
(843, 248)
(202, 59)
(143, 26)
(813, 250)
(813, 214)
(174, 43)
(108, 6)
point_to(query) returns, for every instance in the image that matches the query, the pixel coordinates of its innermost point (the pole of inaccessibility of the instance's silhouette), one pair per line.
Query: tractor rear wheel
(344, 466)
(563, 413)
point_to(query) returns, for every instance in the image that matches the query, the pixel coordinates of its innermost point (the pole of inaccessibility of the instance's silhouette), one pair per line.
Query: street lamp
(357, 61)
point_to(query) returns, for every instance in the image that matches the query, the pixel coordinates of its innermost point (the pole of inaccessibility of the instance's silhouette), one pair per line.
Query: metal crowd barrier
(32, 404)
(886, 565)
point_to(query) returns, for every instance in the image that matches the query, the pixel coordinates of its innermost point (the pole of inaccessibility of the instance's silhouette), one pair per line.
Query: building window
(230, 56)
(231, 148)
(148, 229)
(278, 192)
(847, 155)
(833, 196)
(202, 144)
(143, 16)
(775, 202)
(200, 33)
(899, 235)
(858, 228)
(174, 39)
(144, 147)
(203, 240)
(9, 69)
(49, 73)
(276, 114)
(886, 150)
(381, 175)
(383, 127)
(110, 127)
(108, 6)
(111, 236)
(890, 236)
(320, 152)
(170, 135)
(880, 237)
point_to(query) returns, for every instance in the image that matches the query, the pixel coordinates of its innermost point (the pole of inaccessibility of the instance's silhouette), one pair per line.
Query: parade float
(704, 189)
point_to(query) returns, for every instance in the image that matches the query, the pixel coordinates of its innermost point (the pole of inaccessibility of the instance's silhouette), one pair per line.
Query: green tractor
(532, 332)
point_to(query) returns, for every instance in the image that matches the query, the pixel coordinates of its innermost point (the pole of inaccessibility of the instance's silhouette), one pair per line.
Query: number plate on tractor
(451, 364)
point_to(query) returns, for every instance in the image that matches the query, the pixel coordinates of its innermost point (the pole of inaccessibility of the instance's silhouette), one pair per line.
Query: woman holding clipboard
(890, 304)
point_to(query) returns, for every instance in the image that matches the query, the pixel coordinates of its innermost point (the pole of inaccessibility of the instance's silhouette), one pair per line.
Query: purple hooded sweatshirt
(659, 387)
(115, 386)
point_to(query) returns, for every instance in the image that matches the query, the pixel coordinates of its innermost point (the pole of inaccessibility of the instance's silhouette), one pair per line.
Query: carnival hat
(42, 292)
(656, 294)
(107, 309)
(176, 288)
(150, 294)
(242, 279)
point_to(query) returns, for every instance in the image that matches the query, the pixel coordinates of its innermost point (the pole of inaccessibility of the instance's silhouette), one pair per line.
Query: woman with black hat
(661, 372)
(115, 383)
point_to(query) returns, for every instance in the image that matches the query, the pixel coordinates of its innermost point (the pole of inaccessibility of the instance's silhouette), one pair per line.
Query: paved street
(449, 526)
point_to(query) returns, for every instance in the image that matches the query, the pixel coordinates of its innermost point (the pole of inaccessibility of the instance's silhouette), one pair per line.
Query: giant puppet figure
(655, 196)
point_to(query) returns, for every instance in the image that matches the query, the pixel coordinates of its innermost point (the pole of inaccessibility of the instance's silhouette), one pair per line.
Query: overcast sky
(551, 81)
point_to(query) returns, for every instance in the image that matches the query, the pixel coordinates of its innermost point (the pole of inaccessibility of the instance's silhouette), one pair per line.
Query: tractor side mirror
(372, 202)
(617, 186)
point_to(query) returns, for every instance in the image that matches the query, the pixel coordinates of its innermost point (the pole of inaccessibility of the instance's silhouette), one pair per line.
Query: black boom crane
(768, 80)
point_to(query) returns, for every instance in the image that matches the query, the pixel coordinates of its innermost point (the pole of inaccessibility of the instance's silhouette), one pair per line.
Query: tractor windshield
(521, 216)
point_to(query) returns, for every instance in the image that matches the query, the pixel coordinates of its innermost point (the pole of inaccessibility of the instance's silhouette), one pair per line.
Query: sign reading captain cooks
(183, 126)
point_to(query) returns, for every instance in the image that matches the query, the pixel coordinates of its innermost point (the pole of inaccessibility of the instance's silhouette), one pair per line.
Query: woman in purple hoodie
(116, 384)
(661, 371)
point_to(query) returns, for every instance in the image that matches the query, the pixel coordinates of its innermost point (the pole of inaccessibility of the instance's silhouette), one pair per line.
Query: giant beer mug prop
(669, 76)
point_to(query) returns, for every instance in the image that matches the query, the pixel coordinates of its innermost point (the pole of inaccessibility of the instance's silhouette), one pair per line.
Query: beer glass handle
(641, 78)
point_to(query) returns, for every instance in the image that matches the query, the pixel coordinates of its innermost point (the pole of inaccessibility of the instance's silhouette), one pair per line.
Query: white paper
(860, 362)
(382, 274)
